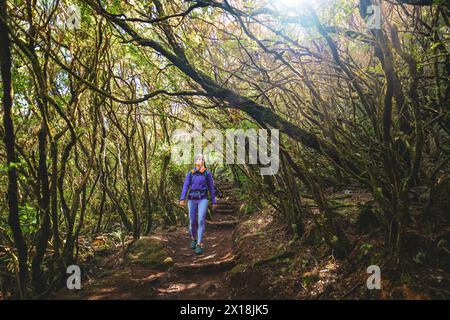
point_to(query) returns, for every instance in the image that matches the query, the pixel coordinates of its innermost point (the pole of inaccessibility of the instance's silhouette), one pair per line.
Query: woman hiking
(199, 182)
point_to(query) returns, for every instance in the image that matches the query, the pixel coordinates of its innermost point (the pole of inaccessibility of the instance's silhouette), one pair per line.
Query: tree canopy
(89, 103)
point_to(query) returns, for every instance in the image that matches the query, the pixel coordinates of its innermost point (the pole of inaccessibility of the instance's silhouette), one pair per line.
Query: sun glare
(291, 6)
(291, 3)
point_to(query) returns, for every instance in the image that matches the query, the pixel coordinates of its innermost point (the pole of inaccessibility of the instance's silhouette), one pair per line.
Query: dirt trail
(191, 277)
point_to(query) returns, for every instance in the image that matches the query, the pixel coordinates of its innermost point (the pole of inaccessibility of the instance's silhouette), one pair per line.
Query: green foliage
(365, 249)
(28, 218)
(324, 83)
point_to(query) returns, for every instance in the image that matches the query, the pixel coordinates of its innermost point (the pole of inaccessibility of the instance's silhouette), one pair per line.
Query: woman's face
(199, 161)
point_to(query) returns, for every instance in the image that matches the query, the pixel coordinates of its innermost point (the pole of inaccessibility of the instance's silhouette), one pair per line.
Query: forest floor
(254, 257)
(180, 273)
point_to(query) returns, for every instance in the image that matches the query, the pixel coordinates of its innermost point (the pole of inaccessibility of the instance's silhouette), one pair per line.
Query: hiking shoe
(198, 250)
(194, 244)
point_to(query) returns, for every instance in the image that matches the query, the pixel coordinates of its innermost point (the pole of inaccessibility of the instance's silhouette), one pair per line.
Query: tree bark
(9, 140)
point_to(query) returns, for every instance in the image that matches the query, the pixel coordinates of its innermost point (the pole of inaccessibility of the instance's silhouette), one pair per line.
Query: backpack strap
(207, 181)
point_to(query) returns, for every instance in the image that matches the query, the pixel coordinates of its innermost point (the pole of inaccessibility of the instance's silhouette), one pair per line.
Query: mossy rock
(149, 252)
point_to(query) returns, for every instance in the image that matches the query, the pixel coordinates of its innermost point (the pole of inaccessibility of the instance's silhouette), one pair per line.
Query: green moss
(309, 278)
(149, 252)
(238, 269)
(283, 255)
(256, 234)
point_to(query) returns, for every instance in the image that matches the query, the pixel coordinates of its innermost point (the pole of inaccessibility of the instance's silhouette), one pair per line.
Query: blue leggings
(197, 209)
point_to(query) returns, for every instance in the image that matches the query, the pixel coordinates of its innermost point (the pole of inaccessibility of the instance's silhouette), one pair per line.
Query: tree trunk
(9, 139)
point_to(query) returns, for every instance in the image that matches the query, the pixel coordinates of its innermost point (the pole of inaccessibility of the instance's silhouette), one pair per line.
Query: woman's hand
(182, 202)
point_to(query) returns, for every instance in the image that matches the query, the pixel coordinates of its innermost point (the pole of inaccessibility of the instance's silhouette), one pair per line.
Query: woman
(199, 181)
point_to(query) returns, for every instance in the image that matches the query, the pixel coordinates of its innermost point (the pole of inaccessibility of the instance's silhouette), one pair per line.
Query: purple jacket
(199, 181)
